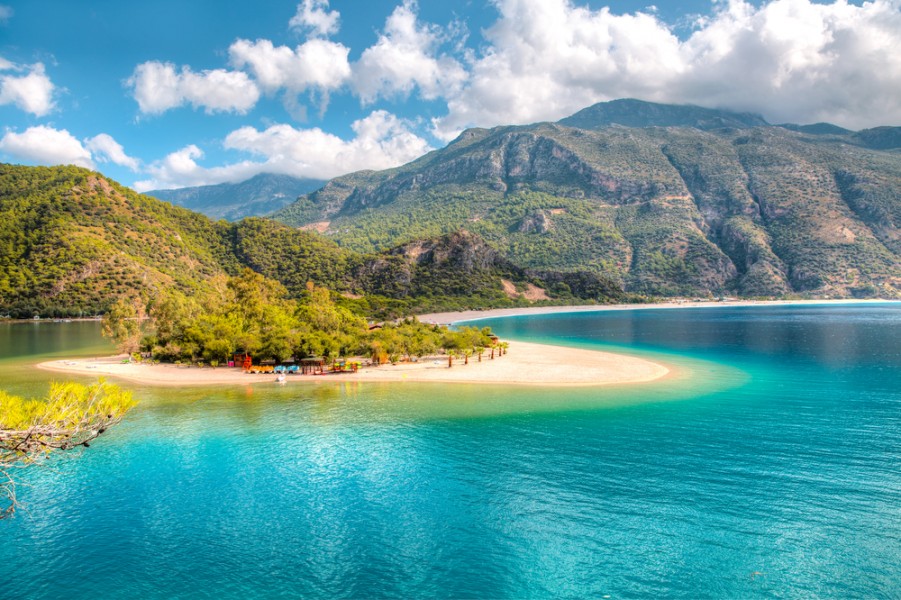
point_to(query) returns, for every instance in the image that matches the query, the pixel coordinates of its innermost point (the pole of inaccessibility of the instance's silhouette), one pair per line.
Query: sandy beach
(447, 318)
(524, 364)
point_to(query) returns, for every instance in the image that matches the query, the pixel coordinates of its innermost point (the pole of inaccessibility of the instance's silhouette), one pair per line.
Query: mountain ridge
(629, 112)
(754, 210)
(260, 195)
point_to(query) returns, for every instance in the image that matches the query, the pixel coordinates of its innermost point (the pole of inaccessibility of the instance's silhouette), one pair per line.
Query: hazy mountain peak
(638, 113)
(260, 195)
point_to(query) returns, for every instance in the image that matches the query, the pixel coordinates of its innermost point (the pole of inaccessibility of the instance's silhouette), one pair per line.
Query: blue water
(770, 467)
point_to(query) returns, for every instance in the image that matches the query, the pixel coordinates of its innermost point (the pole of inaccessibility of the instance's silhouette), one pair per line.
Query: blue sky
(175, 93)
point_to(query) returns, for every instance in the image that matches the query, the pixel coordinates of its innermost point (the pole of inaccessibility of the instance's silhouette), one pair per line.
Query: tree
(170, 314)
(278, 334)
(71, 416)
(122, 324)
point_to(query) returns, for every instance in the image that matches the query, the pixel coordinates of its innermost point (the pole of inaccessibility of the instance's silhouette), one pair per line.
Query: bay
(770, 465)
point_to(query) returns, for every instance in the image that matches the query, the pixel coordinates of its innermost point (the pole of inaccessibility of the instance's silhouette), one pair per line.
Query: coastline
(525, 363)
(453, 317)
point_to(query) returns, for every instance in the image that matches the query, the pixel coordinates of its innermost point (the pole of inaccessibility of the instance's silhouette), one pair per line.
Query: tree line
(252, 314)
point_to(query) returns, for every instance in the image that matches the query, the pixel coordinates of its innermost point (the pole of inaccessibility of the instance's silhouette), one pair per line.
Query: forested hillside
(71, 239)
(662, 200)
(72, 242)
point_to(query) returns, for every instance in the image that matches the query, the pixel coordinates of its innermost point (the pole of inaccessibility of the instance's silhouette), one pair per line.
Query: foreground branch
(71, 416)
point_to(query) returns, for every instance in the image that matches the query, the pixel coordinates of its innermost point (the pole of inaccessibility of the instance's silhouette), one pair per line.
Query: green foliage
(70, 416)
(72, 241)
(247, 312)
(68, 407)
(122, 324)
(252, 314)
(293, 257)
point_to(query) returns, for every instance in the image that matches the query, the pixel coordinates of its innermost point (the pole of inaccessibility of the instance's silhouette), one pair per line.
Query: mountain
(663, 200)
(73, 241)
(637, 113)
(880, 138)
(818, 129)
(259, 195)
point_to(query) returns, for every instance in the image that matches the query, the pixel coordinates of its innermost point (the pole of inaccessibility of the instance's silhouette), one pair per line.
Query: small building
(312, 365)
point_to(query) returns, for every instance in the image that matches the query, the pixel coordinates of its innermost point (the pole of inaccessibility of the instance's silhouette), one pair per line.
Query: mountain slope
(754, 210)
(637, 113)
(257, 196)
(73, 241)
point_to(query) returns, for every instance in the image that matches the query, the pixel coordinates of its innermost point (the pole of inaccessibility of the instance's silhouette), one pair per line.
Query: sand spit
(524, 364)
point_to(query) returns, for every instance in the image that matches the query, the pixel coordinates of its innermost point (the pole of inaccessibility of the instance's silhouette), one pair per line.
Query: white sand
(524, 364)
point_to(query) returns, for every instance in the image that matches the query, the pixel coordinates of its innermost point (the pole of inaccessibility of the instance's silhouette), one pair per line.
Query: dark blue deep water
(770, 466)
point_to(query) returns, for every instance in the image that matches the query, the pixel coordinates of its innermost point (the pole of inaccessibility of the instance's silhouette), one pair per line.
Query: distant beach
(447, 318)
(523, 364)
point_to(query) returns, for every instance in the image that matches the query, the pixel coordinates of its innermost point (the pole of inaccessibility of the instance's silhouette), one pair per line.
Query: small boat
(281, 378)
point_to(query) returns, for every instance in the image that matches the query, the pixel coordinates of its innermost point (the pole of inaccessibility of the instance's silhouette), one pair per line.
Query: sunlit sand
(524, 364)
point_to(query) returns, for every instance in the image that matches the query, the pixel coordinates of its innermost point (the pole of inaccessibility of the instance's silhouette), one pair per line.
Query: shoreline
(525, 363)
(453, 317)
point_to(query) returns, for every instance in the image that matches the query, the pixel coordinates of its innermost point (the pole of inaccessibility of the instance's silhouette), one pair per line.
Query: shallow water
(770, 466)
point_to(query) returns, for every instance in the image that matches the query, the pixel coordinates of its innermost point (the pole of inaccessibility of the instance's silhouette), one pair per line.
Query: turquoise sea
(769, 466)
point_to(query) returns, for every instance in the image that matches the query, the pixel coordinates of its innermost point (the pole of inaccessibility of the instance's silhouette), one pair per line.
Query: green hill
(690, 202)
(73, 241)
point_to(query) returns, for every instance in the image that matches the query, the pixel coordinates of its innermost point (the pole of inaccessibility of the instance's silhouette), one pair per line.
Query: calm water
(770, 466)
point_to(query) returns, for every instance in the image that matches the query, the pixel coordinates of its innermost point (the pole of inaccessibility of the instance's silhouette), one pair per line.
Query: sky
(170, 93)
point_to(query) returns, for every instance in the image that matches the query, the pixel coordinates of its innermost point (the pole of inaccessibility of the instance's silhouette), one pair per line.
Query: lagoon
(771, 466)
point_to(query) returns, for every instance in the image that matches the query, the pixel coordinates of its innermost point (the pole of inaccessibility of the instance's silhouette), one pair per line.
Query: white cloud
(791, 60)
(795, 60)
(180, 169)
(32, 92)
(46, 146)
(6, 13)
(548, 58)
(318, 64)
(106, 149)
(381, 141)
(159, 87)
(404, 58)
(314, 17)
